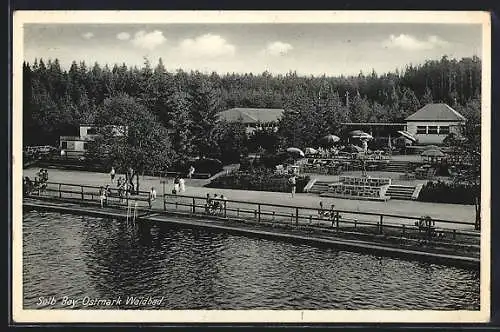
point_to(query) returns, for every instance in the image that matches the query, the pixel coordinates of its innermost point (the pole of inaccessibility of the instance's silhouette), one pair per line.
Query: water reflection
(199, 269)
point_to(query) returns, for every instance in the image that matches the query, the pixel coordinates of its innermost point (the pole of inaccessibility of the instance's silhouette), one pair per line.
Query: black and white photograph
(238, 166)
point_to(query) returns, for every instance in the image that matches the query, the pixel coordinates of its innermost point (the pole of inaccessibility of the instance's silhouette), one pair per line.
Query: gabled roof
(251, 115)
(436, 112)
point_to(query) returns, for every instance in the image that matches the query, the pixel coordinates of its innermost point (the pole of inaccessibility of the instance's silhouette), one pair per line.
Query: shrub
(208, 165)
(442, 192)
(260, 179)
(271, 160)
(205, 165)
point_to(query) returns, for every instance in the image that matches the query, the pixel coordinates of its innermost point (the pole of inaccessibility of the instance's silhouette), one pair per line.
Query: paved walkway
(194, 188)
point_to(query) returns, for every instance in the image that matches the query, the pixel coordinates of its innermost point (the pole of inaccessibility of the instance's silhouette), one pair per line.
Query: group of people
(215, 203)
(179, 185)
(39, 183)
(324, 213)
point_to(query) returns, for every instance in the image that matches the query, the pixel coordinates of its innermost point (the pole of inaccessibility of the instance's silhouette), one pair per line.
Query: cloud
(149, 40)
(277, 48)
(88, 35)
(123, 36)
(207, 45)
(411, 43)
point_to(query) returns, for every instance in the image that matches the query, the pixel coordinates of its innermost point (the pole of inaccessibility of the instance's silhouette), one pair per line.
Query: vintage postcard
(251, 166)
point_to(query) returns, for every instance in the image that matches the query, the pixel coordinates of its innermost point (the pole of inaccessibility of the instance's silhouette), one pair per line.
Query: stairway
(397, 166)
(319, 187)
(400, 192)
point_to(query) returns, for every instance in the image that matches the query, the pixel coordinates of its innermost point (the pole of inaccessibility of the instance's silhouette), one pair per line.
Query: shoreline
(375, 245)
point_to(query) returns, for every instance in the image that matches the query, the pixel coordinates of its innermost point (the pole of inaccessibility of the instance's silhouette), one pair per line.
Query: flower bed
(259, 180)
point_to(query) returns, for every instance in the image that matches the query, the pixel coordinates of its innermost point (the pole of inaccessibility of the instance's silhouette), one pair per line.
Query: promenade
(194, 187)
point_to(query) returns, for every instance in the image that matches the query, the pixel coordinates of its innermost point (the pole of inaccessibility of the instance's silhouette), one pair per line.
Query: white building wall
(427, 138)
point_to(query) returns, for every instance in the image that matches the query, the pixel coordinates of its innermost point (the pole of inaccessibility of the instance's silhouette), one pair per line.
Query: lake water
(91, 261)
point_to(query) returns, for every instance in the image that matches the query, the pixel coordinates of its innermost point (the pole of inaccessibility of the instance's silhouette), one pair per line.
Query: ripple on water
(76, 256)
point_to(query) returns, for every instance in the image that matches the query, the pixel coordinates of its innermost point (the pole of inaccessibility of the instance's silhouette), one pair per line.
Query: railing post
(176, 204)
(259, 211)
(429, 232)
(238, 212)
(60, 193)
(380, 225)
(273, 215)
(310, 219)
(255, 214)
(404, 230)
(82, 193)
(225, 209)
(194, 205)
(454, 234)
(296, 216)
(164, 204)
(355, 223)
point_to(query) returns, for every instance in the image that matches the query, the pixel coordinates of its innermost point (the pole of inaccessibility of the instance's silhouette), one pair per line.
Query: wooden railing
(408, 228)
(337, 219)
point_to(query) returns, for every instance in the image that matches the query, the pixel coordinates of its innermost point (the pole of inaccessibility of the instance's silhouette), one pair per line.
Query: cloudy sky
(315, 49)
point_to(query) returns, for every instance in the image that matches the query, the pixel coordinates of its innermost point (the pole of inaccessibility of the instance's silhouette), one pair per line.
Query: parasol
(329, 139)
(407, 135)
(296, 151)
(432, 153)
(311, 151)
(364, 136)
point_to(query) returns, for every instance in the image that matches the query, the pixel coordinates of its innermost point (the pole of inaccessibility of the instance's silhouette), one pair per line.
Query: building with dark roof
(76, 146)
(433, 122)
(253, 118)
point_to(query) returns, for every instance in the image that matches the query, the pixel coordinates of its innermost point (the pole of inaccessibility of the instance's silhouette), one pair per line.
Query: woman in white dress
(182, 185)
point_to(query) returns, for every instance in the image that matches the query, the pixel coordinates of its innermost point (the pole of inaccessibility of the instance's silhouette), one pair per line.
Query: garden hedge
(443, 192)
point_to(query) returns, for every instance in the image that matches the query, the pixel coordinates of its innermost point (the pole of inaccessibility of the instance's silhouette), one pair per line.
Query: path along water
(456, 212)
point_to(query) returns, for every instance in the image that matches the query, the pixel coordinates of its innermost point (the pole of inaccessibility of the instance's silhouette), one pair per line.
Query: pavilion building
(433, 122)
(253, 118)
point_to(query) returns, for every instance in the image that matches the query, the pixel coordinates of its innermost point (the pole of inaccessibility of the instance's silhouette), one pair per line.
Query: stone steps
(400, 192)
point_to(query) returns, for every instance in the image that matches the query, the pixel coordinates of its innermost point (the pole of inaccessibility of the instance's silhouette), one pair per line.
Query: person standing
(102, 196)
(182, 185)
(112, 174)
(152, 196)
(224, 203)
(293, 183)
(190, 172)
(176, 185)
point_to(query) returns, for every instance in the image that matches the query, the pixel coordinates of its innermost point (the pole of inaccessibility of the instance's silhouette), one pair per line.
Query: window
(64, 145)
(91, 131)
(432, 130)
(445, 130)
(421, 130)
(85, 146)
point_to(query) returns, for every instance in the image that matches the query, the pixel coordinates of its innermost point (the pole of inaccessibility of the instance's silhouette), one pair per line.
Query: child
(102, 195)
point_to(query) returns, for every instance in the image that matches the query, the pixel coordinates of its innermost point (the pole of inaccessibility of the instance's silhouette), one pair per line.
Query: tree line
(184, 105)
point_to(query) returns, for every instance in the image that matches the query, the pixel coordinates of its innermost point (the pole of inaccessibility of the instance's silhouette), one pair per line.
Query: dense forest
(56, 101)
